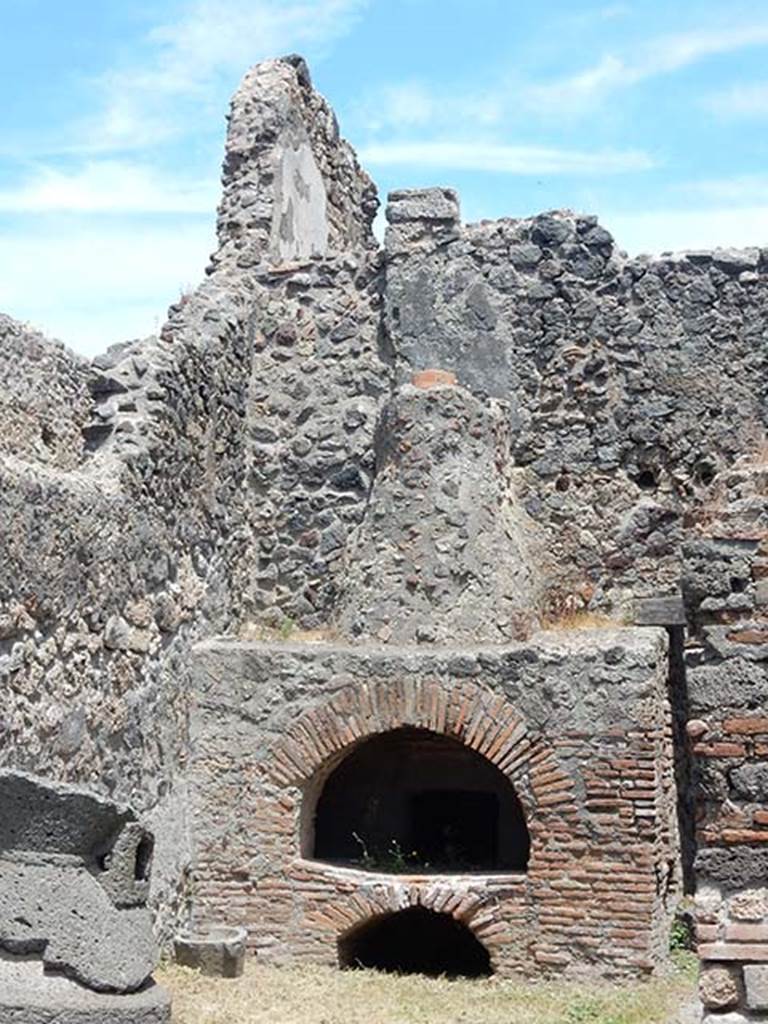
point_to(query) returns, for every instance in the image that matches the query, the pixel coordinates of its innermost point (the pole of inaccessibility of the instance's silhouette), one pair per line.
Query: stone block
(725, 1018)
(756, 986)
(720, 986)
(737, 866)
(751, 781)
(707, 903)
(749, 905)
(736, 260)
(74, 879)
(29, 995)
(217, 951)
(422, 204)
(688, 1013)
(734, 951)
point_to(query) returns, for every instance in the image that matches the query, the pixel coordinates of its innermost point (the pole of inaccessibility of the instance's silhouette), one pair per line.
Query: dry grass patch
(285, 632)
(582, 620)
(325, 995)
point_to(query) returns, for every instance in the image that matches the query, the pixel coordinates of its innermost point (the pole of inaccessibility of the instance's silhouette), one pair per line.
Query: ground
(325, 995)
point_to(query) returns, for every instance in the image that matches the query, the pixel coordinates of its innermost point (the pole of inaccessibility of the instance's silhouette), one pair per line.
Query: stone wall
(317, 381)
(293, 189)
(44, 401)
(110, 570)
(632, 383)
(623, 379)
(127, 489)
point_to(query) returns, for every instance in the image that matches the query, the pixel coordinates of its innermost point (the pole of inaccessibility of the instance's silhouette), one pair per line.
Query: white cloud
(158, 98)
(108, 186)
(741, 189)
(412, 104)
(100, 281)
(656, 231)
(659, 56)
(748, 100)
(225, 33)
(673, 52)
(503, 158)
(577, 90)
(409, 104)
(91, 286)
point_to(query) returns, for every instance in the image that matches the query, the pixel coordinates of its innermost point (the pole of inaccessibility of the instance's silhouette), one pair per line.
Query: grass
(284, 632)
(582, 619)
(325, 995)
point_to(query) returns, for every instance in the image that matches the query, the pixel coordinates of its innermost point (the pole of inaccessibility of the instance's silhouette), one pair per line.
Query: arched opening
(143, 860)
(413, 800)
(415, 941)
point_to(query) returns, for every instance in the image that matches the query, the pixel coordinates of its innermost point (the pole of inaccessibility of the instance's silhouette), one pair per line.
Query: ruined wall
(110, 570)
(213, 478)
(135, 539)
(633, 388)
(293, 189)
(317, 382)
(316, 375)
(631, 383)
(44, 400)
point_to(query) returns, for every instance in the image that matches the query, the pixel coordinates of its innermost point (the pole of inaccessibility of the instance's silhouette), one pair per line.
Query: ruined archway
(321, 900)
(415, 941)
(411, 800)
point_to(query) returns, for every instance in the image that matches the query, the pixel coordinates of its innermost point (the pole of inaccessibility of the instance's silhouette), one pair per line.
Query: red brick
(720, 749)
(743, 835)
(433, 379)
(746, 725)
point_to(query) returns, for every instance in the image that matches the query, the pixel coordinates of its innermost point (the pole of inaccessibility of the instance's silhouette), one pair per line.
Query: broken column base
(30, 996)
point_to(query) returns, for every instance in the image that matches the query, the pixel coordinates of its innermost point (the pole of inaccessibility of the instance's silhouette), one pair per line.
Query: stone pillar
(421, 218)
(441, 554)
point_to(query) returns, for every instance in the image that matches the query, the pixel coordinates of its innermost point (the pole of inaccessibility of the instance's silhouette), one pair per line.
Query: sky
(652, 114)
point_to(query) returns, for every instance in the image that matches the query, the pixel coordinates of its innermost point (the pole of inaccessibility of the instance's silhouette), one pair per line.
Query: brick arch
(473, 908)
(487, 723)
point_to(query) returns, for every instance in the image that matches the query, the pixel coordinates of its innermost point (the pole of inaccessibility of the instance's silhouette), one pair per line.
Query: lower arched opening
(415, 941)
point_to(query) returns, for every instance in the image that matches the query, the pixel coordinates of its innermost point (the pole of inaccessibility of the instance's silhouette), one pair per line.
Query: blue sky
(652, 114)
